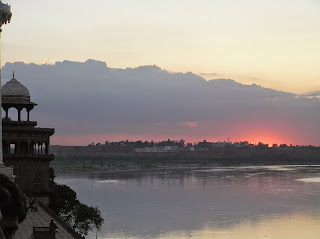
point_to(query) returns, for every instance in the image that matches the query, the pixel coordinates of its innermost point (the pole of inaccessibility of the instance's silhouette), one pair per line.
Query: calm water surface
(229, 202)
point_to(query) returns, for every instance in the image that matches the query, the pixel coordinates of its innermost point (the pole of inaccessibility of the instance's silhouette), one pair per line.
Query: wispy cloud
(208, 74)
(192, 124)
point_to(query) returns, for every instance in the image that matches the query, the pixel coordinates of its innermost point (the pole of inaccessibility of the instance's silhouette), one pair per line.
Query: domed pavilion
(25, 146)
(16, 95)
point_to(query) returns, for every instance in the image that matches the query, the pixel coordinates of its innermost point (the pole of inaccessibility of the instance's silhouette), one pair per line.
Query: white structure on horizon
(5, 17)
(157, 149)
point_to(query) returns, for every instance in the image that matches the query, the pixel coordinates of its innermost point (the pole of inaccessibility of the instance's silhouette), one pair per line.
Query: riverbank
(125, 162)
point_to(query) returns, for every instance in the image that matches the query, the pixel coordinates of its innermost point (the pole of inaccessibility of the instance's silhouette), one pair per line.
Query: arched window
(24, 147)
(24, 115)
(13, 148)
(32, 148)
(13, 114)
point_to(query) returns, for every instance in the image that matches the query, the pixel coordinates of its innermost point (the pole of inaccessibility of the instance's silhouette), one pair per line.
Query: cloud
(92, 98)
(193, 124)
(315, 93)
(209, 74)
(311, 95)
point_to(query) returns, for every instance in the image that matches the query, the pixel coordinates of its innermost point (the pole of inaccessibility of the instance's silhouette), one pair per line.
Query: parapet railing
(30, 156)
(43, 233)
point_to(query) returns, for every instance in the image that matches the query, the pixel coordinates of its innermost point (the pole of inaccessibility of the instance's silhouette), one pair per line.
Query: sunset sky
(274, 44)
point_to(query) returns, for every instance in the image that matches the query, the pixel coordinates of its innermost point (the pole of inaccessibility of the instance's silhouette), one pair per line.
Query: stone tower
(25, 146)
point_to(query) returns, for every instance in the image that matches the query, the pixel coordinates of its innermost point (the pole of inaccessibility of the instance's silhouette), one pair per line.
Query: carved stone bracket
(5, 14)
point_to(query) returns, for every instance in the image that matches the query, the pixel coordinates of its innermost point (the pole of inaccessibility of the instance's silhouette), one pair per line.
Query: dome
(14, 89)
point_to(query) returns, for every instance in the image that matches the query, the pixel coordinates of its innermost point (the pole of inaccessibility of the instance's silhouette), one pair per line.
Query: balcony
(28, 156)
(10, 123)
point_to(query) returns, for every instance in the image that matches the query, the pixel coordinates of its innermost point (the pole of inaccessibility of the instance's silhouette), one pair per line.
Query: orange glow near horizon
(267, 137)
(257, 129)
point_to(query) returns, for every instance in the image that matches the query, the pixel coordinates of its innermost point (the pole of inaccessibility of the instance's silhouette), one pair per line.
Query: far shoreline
(85, 165)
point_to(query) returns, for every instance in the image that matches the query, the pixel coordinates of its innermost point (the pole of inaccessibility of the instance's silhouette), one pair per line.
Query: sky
(273, 43)
(190, 49)
(91, 102)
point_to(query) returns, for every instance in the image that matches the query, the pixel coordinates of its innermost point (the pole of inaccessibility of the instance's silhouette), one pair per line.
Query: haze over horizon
(90, 102)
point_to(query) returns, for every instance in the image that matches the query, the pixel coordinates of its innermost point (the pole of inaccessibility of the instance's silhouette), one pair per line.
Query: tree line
(79, 216)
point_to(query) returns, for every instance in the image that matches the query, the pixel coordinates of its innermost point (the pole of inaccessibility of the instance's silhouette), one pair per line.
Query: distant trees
(146, 143)
(262, 146)
(202, 144)
(244, 143)
(169, 142)
(181, 143)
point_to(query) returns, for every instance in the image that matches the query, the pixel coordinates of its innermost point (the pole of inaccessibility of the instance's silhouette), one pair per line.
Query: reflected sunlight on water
(309, 180)
(108, 181)
(287, 227)
(283, 227)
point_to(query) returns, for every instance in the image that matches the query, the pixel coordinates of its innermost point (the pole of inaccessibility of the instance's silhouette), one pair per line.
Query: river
(278, 202)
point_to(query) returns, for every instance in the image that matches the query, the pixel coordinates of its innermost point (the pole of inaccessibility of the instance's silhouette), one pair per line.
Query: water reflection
(287, 227)
(203, 203)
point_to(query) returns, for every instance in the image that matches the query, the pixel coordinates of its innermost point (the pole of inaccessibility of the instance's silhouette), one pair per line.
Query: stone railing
(29, 156)
(10, 123)
(43, 233)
